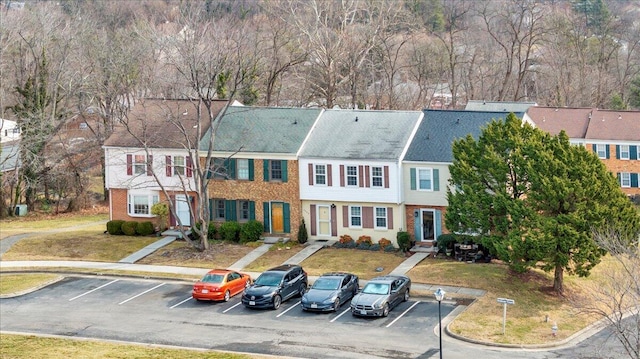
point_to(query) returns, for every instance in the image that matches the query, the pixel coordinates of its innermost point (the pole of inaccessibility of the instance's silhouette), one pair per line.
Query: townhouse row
(354, 172)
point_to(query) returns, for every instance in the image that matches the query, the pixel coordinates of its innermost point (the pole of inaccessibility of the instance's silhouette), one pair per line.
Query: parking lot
(175, 297)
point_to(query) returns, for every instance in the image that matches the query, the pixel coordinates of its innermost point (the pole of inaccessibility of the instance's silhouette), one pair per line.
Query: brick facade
(616, 166)
(118, 203)
(411, 219)
(260, 191)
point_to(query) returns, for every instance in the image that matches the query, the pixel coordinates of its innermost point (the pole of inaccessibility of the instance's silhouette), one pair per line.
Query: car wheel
(247, 284)
(302, 289)
(227, 295)
(276, 301)
(336, 305)
(385, 310)
(406, 295)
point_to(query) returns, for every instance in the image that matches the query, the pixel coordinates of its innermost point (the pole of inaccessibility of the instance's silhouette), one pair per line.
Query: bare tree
(617, 293)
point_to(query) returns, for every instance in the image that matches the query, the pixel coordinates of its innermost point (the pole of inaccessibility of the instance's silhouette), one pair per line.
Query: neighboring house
(426, 167)
(9, 131)
(255, 170)
(613, 135)
(150, 149)
(498, 106)
(350, 173)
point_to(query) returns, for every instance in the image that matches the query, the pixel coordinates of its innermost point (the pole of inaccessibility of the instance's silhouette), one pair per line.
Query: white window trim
(418, 186)
(177, 168)
(381, 177)
(603, 149)
(316, 174)
(137, 165)
(351, 216)
(152, 198)
(239, 168)
(628, 151)
(627, 179)
(375, 218)
(347, 175)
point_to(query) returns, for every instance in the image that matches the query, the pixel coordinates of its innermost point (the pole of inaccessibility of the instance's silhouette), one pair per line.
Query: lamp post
(439, 294)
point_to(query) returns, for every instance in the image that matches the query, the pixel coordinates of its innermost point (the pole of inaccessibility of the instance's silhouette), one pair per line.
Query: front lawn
(362, 263)
(179, 253)
(13, 283)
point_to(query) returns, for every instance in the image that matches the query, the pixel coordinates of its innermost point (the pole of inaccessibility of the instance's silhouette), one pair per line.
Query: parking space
(174, 299)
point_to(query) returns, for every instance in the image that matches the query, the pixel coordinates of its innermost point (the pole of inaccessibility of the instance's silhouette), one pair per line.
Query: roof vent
(457, 120)
(619, 117)
(356, 118)
(185, 113)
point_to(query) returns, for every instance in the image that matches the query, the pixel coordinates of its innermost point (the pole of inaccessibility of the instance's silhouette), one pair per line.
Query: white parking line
(341, 314)
(403, 313)
(184, 301)
(93, 290)
(146, 291)
(235, 305)
(288, 309)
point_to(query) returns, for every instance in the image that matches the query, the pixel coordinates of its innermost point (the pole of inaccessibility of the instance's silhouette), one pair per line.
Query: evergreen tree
(534, 198)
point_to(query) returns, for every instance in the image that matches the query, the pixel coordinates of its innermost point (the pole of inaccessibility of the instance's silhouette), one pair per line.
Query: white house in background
(350, 173)
(150, 153)
(9, 131)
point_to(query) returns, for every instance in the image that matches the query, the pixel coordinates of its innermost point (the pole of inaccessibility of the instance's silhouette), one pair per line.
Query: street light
(439, 294)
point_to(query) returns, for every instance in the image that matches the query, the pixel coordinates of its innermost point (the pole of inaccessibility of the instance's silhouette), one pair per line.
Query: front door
(277, 217)
(182, 210)
(324, 220)
(428, 225)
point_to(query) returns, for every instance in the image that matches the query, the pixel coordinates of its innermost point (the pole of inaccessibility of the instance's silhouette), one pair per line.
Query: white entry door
(324, 221)
(182, 210)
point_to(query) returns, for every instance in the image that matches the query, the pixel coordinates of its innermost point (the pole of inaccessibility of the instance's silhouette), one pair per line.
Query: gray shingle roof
(375, 135)
(262, 129)
(438, 130)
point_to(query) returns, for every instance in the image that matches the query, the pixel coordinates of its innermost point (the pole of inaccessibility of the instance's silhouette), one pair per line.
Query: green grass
(18, 225)
(360, 262)
(28, 346)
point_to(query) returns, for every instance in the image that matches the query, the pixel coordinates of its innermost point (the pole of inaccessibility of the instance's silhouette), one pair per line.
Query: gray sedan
(329, 291)
(380, 295)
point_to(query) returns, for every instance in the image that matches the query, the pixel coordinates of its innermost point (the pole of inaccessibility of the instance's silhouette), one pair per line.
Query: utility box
(21, 210)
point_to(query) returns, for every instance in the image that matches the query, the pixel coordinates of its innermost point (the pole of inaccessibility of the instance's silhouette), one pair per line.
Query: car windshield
(213, 278)
(269, 279)
(327, 283)
(376, 288)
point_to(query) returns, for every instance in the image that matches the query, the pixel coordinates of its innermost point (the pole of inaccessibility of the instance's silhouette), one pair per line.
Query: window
(424, 179)
(624, 152)
(352, 176)
(321, 174)
(218, 169)
(243, 210)
(381, 217)
(243, 168)
(218, 209)
(601, 150)
(376, 177)
(139, 164)
(139, 204)
(355, 216)
(275, 170)
(178, 165)
(625, 179)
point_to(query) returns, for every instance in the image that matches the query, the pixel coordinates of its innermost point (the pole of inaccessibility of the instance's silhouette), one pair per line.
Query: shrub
(144, 228)
(161, 210)
(363, 245)
(230, 231)
(351, 244)
(303, 236)
(384, 243)
(446, 242)
(339, 245)
(364, 239)
(115, 227)
(251, 231)
(390, 248)
(404, 240)
(345, 238)
(129, 228)
(374, 247)
(211, 231)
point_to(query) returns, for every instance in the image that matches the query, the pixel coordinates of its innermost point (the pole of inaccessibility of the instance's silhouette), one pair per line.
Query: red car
(220, 284)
